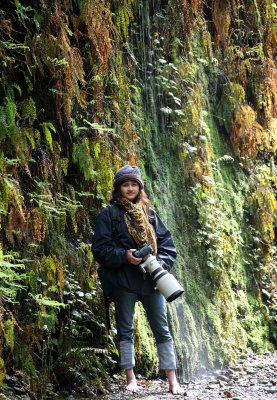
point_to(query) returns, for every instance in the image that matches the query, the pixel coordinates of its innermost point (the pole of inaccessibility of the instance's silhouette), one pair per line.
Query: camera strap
(114, 212)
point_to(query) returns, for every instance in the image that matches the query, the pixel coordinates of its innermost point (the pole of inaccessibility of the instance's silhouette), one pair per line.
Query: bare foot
(131, 380)
(173, 384)
(175, 388)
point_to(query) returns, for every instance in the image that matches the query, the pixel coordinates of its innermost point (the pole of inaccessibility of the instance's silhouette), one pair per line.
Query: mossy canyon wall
(186, 89)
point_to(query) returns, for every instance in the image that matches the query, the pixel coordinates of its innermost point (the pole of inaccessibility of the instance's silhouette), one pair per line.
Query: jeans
(155, 308)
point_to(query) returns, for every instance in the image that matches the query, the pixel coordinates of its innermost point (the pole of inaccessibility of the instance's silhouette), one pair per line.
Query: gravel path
(252, 377)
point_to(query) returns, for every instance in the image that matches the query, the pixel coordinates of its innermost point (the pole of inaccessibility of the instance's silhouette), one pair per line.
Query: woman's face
(129, 190)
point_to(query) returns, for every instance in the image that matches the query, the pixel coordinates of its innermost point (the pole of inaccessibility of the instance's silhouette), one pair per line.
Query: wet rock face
(252, 377)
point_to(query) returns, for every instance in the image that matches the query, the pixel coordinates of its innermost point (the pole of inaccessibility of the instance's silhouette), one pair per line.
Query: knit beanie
(126, 173)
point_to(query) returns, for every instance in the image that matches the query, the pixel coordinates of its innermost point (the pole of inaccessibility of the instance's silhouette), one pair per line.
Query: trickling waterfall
(161, 110)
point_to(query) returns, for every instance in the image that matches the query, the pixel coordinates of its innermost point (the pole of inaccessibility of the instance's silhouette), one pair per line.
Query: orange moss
(133, 158)
(38, 224)
(192, 5)
(221, 16)
(270, 34)
(16, 225)
(249, 137)
(129, 132)
(97, 18)
(270, 93)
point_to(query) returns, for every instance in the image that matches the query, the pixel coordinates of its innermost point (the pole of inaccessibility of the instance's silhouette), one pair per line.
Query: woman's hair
(142, 196)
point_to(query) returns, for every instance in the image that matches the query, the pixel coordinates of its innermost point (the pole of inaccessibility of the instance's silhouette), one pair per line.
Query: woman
(114, 248)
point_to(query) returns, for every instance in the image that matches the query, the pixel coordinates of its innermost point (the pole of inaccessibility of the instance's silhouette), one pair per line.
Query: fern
(96, 149)
(81, 156)
(18, 88)
(45, 301)
(30, 137)
(99, 127)
(10, 277)
(47, 127)
(9, 44)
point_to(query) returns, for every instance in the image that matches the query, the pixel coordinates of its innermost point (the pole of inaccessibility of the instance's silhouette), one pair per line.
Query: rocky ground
(252, 377)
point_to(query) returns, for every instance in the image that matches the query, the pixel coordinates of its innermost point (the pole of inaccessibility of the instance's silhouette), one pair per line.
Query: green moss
(29, 111)
(9, 333)
(233, 95)
(48, 269)
(4, 196)
(123, 17)
(2, 371)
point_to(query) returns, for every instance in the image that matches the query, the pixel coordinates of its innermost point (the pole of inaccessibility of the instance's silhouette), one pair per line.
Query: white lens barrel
(165, 282)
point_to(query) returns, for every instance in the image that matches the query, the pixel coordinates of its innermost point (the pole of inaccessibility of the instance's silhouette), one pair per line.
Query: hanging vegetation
(187, 90)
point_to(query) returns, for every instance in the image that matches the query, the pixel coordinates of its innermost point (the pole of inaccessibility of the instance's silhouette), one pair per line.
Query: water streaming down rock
(149, 58)
(154, 75)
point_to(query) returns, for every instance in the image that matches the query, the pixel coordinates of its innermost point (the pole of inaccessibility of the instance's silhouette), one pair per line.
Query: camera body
(165, 282)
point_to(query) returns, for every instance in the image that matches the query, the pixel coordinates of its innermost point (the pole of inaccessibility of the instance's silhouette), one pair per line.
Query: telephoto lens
(164, 281)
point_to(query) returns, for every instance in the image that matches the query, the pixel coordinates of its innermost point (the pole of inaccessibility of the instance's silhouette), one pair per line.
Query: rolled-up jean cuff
(127, 354)
(167, 356)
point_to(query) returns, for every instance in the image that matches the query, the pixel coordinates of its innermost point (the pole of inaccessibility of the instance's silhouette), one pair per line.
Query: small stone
(263, 381)
(250, 371)
(271, 390)
(215, 381)
(238, 368)
(228, 394)
(213, 386)
(223, 378)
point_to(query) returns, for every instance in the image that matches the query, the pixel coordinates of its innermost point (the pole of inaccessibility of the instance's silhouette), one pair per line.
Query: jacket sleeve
(104, 247)
(167, 253)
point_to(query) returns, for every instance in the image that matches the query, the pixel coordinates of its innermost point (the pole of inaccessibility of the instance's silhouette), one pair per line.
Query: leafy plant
(11, 277)
(82, 156)
(48, 129)
(45, 301)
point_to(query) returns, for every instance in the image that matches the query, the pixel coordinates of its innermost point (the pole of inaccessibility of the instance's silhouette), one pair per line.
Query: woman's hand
(133, 260)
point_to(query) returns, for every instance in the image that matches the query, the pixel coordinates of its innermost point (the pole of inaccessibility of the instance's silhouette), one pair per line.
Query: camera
(165, 282)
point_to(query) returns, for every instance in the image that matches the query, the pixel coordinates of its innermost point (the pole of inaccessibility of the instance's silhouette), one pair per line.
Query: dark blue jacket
(110, 251)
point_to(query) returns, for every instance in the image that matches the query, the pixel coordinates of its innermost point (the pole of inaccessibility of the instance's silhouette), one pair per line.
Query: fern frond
(45, 301)
(48, 128)
(10, 278)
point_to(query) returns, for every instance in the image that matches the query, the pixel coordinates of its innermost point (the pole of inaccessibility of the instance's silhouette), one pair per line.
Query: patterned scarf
(138, 225)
